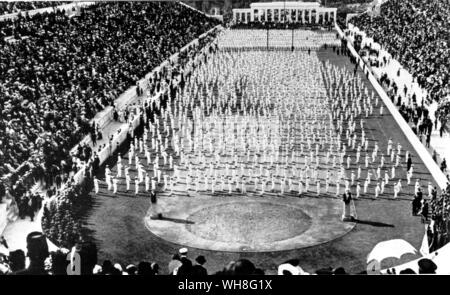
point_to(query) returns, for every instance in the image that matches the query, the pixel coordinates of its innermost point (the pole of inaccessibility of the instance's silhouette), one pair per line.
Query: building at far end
(285, 12)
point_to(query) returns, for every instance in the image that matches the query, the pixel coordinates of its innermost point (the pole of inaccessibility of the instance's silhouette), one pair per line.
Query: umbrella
(4, 250)
(392, 248)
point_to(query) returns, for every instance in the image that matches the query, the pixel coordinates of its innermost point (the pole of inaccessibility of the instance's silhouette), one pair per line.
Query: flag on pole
(425, 248)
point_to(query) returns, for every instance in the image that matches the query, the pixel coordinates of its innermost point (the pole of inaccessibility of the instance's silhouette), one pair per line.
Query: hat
(287, 268)
(339, 271)
(243, 267)
(407, 271)
(131, 269)
(427, 266)
(155, 266)
(97, 269)
(183, 251)
(324, 271)
(130, 266)
(118, 266)
(200, 259)
(37, 245)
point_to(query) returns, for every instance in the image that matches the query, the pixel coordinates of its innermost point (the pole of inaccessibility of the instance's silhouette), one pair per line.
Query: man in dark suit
(186, 265)
(154, 205)
(427, 266)
(347, 199)
(17, 260)
(96, 163)
(409, 162)
(153, 197)
(198, 269)
(37, 253)
(416, 203)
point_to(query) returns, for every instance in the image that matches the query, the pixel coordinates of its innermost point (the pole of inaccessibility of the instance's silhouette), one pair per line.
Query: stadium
(224, 137)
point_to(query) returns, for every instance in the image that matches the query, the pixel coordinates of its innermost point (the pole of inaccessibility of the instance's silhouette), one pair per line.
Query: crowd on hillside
(57, 72)
(415, 33)
(18, 6)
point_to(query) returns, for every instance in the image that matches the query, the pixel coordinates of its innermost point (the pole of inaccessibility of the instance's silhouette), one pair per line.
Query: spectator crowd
(415, 33)
(82, 259)
(19, 6)
(58, 72)
(438, 231)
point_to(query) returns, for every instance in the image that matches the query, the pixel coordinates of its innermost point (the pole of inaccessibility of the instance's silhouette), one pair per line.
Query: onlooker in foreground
(37, 253)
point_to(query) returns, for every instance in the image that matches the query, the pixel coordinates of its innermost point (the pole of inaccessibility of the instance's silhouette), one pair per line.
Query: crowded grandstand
(154, 138)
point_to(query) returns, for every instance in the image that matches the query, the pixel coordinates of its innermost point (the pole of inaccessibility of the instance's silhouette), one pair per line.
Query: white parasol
(4, 250)
(392, 248)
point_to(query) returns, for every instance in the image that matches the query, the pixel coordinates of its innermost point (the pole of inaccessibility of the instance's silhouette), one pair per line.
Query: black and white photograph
(224, 138)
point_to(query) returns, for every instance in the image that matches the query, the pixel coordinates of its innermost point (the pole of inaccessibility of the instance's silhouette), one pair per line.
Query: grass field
(116, 222)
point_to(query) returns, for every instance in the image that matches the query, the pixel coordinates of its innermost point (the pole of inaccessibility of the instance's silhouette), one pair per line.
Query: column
(265, 15)
(290, 15)
(252, 15)
(317, 16)
(303, 15)
(309, 12)
(296, 15)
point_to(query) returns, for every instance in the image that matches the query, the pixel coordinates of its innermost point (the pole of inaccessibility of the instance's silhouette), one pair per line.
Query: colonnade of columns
(291, 15)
